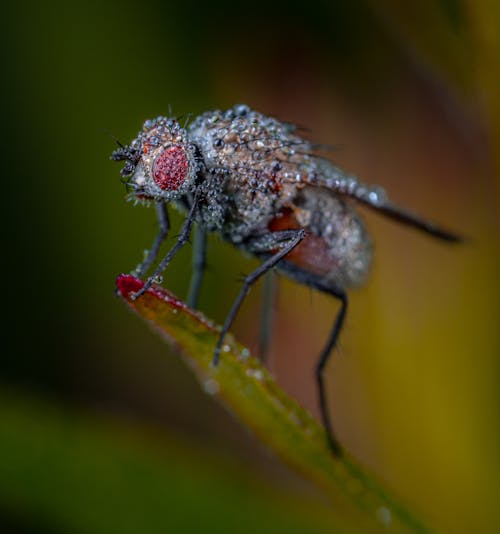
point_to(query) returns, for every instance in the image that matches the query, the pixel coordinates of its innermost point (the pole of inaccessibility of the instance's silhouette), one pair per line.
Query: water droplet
(255, 373)
(384, 515)
(351, 184)
(241, 110)
(258, 375)
(211, 386)
(139, 176)
(361, 191)
(377, 196)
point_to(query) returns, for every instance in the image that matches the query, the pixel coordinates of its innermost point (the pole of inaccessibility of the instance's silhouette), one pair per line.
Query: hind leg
(199, 264)
(269, 294)
(320, 367)
(284, 242)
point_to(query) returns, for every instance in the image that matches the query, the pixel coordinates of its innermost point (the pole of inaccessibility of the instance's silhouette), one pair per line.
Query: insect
(262, 187)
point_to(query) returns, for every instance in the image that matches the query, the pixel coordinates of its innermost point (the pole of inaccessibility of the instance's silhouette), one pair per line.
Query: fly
(263, 188)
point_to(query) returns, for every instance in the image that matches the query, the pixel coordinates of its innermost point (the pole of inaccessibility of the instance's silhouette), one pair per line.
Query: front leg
(182, 240)
(164, 224)
(285, 241)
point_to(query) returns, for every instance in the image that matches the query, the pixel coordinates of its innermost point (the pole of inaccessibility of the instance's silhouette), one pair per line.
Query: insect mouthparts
(131, 157)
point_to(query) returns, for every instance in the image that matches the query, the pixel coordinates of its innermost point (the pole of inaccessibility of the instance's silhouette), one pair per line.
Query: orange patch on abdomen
(312, 254)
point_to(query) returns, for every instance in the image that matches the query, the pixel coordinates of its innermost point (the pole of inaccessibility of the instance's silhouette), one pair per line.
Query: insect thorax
(257, 172)
(253, 165)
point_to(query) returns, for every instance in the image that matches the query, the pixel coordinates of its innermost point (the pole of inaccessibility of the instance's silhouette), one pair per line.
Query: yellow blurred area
(408, 96)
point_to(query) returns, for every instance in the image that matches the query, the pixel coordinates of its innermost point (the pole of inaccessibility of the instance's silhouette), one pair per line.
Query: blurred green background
(102, 427)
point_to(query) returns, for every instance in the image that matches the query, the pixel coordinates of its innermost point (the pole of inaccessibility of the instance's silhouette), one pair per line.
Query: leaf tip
(127, 285)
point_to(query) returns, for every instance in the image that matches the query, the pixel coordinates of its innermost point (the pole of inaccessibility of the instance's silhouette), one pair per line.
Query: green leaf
(249, 391)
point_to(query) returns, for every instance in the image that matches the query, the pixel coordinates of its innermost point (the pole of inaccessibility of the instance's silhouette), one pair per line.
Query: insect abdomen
(337, 249)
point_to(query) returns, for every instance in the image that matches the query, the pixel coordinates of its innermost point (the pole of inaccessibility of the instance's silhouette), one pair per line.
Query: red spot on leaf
(170, 168)
(127, 284)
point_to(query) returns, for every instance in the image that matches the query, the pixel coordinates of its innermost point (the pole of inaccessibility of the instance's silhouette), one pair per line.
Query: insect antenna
(115, 139)
(188, 119)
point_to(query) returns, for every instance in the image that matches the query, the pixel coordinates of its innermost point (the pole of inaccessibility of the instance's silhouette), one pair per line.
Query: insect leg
(286, 241)
(269, 293)
(199, 264)
(164, 224)
(182, 240)
(320, 366)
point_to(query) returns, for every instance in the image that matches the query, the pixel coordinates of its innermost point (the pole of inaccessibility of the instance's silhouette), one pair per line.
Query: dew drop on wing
(377, 196)
(241, 110)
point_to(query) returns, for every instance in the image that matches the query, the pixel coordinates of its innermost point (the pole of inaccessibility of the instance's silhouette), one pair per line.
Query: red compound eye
(170, 168)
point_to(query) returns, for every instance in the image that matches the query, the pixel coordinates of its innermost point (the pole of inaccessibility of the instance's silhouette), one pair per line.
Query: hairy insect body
(263, 188)
(262, 172)
(250, 170)
(254, 155)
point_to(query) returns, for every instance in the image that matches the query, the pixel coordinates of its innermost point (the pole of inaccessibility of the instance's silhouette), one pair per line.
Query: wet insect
(262, 187)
